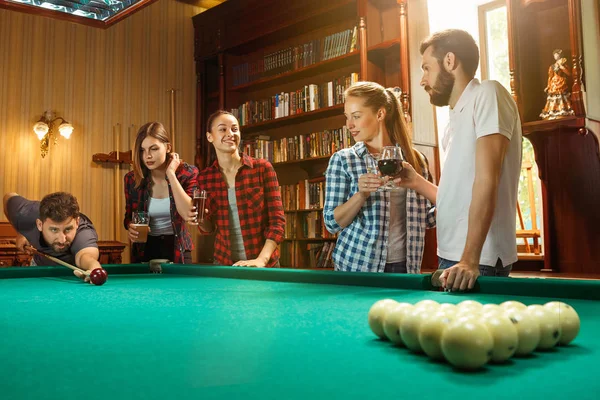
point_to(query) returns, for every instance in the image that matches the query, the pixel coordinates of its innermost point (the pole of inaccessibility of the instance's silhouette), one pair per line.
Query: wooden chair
(534, 232)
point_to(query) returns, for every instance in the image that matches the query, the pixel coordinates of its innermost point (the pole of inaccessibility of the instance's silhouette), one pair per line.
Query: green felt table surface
(198, 332)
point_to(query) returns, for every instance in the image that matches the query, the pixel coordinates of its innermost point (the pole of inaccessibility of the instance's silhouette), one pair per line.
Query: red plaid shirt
(259, 208)
(137, 199)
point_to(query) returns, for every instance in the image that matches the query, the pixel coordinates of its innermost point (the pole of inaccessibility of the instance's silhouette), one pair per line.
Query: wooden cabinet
(282, 67)
(566, 150)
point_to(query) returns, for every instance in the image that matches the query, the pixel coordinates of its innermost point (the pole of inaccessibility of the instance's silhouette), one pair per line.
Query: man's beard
(57, 249)
(439, 95)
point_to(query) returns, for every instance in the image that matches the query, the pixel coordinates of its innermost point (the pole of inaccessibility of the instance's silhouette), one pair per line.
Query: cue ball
(377, 313)
(467, 344)
(528, 331)
(392, 321)
(568, 319)
(549, 325)
(430, 334)
(504, 333)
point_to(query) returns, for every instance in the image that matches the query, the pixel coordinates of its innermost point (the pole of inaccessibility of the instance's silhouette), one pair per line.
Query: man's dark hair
(58, 207)
(455, 41)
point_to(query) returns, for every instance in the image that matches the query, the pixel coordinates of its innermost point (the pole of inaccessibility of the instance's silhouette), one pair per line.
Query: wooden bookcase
(238, 42)
(566, 150)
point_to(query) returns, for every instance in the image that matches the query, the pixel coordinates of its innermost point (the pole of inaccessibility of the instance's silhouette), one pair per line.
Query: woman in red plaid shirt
(162, 185)
(243, 200)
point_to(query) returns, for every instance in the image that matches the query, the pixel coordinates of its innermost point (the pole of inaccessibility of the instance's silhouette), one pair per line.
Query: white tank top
(159, 211)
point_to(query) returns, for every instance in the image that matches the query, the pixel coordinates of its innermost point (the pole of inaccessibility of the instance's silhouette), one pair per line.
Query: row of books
(306, 255)
(296, 57)
(304, 195)
(300, 147)
(306, 225)
(308, 98)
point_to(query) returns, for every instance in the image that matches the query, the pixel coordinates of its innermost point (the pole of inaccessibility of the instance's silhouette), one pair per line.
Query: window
(493, 38)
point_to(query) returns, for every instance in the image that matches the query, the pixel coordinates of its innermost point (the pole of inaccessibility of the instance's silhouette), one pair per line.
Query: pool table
(210, 332)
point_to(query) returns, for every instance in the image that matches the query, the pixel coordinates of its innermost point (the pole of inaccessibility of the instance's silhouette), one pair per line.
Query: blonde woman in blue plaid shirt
(379, 231)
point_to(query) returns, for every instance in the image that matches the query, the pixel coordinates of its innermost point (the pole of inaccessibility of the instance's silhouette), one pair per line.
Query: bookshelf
(282, 67)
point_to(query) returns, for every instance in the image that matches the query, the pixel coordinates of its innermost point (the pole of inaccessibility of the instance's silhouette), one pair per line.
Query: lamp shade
(40, 129)
(65, 129)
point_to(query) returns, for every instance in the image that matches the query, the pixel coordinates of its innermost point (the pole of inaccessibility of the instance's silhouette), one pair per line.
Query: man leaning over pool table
(54, 226)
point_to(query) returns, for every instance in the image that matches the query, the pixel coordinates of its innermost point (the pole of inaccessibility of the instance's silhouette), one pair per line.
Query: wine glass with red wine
(390, 164)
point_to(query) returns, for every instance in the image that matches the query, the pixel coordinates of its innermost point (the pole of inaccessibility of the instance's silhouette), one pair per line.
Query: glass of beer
(139, 221)
(199, 198)
(372, 165)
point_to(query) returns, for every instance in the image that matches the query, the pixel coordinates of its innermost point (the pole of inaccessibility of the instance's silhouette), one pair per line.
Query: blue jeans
(484, 270)
(396, 267)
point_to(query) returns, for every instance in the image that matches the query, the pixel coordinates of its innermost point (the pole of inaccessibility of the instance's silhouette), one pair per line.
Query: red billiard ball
(98, 276)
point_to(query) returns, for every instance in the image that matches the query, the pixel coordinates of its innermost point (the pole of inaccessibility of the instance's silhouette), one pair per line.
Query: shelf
(321, 158)
(314, 69)
(548, 125)
(382, 47)
(212, 95)
(304, 210)
(309, 239)
(294, 119)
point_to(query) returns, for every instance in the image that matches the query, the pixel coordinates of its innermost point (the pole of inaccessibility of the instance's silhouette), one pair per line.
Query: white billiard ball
(393, 321)
(430, 333)
(411, 324)
(469, 305)
(377, 313)
(448, 307)
(467, 344)
(507, 305)
(428, 304)
(488, 308)
(549, 325)
(528, 330)
(505, 335)
(568, 319)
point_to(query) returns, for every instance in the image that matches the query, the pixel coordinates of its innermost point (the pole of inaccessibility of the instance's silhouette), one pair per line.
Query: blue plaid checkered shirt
(362, 245)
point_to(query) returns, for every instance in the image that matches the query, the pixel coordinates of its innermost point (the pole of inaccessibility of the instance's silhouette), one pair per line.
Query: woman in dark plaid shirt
(244, 201)
(162, 185)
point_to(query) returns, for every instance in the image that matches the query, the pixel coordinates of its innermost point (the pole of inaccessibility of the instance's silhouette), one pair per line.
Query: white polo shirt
(483, 109)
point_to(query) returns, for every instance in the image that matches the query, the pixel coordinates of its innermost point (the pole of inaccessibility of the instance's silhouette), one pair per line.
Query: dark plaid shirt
(259, 208)
(136, 199)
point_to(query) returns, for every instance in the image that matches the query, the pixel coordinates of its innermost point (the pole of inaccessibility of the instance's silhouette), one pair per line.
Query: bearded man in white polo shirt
(477, 196)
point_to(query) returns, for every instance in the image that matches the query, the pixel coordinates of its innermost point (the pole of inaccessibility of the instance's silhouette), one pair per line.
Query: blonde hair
(151, 129)
(375, 97)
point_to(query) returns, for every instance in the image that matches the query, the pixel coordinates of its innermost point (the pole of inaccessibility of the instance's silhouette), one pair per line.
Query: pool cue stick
(117, 169)
(56, 260)
(172, 92)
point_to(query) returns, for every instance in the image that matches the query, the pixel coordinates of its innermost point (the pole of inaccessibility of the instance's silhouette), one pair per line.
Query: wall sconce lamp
(44, 129)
